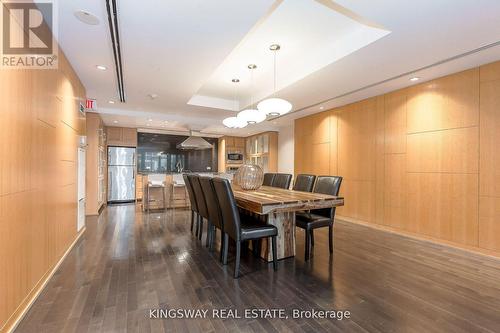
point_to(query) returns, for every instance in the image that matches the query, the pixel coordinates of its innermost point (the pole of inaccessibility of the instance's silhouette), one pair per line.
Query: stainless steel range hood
(194, 143)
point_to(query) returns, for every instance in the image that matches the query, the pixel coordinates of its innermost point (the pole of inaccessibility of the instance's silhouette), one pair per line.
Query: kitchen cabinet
(121, 136)
(230, 144)
(96, 166)
(262, 150)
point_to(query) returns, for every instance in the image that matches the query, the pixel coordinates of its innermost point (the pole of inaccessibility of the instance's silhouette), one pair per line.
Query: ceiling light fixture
(86, 17)
(251, 116)
(414, 79)
(321, 107)
(150, 119)
(234, 122)
(274, 106)
(111, 102)
(101, 67)
(115, 121)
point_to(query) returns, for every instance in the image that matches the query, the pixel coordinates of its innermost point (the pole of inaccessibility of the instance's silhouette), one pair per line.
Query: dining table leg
(285, 241)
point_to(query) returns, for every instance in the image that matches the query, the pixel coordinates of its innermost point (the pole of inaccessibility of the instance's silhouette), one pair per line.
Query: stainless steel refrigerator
(121, 174)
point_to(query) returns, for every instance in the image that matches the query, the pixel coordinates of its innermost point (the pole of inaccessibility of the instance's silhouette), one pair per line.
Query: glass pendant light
(234, 122)
(251, 116)
(274, 106)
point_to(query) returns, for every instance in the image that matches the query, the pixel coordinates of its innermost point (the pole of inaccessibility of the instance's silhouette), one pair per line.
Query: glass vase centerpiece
(249, 177)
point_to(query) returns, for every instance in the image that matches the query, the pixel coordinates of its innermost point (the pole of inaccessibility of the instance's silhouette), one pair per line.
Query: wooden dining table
(278, 207)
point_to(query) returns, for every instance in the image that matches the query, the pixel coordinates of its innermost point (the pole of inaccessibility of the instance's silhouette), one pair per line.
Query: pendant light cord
(236, 108)
(251, 87)
(274, 90)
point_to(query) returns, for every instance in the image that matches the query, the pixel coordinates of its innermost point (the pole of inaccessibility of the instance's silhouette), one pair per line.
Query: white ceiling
(174, 48)
(311, 36)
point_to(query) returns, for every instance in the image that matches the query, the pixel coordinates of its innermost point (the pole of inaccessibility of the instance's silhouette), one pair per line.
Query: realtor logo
(28, 34)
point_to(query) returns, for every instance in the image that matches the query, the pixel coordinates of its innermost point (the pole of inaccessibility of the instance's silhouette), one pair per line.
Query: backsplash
(157, 153)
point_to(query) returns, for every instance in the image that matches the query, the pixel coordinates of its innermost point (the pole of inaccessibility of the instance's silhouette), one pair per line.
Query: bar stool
(150, 185)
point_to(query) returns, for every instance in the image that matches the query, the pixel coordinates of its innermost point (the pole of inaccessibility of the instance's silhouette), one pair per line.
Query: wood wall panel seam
(461, 109)
(38, 188)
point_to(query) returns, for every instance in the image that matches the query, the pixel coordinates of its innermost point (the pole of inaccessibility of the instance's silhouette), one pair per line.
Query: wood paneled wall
(422, 160)
(39, 128)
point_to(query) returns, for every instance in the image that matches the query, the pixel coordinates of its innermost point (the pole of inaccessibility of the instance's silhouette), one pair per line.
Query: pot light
(321, 107)
(414, 79)
(101, 67)
(234, 122)
(115, 121)
(86, 17)
(150, 119)
(111, 102)
(251, 116)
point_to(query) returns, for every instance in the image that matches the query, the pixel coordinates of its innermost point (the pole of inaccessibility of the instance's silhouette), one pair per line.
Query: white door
(81, 189)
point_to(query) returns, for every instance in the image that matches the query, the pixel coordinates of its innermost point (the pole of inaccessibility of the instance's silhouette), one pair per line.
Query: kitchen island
(168, 190)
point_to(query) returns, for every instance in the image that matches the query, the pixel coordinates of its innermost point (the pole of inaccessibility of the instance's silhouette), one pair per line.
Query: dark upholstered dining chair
(282, 180)
(200, 202)
(240, 229)
(192, 201)
(319, 218)
(214, 212)
(268, 179)
(304, 183)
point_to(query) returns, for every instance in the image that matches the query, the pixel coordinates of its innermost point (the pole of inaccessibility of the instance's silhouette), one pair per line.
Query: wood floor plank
(129, 262)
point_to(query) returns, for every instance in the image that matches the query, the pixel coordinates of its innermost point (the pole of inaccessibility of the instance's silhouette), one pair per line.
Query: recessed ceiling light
(414, 79)
(150, 119)
(321, 107)
(111, 102)
(153, 96)
(115, 121)
(87, 17)
(148, 124)
(101, 67)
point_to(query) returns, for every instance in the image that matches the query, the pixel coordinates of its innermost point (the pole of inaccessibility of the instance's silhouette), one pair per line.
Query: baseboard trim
(23, 308)
(472, 249)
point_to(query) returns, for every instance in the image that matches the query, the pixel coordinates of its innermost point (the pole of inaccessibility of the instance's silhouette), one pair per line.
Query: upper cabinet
(229, 144)
(121, 136)
(262, 149)
(234, 142)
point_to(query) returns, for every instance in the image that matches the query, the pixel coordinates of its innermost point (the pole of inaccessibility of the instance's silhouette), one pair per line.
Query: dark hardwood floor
(128, 263)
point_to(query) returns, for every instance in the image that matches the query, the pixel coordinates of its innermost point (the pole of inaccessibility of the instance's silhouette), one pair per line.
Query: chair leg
(312, 237)
(213, 234)
(209, 234)
(308, 245)
(226, 249)
(237, 262)
(222, 242)
(330, 237)
(192, 221)
(201, 228)
(275, 253)
(197, 225)
(256, 247)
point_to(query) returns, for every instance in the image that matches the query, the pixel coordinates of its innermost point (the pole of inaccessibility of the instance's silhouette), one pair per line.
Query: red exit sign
(91, 104)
